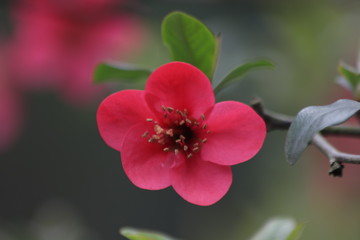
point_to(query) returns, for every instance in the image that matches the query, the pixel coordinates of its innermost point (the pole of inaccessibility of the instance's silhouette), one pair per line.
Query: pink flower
(173, 134)
(10, 116)
(57, 44)
(11, 109)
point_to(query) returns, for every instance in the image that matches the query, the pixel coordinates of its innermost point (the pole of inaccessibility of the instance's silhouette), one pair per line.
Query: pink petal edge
(200, 182)
(181, 86)
(118, 113)
(237, 134)
(146, 164)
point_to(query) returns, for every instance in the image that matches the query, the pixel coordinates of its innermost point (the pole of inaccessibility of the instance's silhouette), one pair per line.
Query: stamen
(149, 120)
(170, 109)
(158, 129)
(208, 131)
(182, 122)
(188, 121)
(196, 149)
(204, 126)
(178, 140)
(166, 149)
(189, 155)
(176, 151)
(151, 140)
(196, 144)
(156, 137)
(145, 134)
(186, 148)
(165, 115)
(161, 141)
(204, 140)
(163, 108)
(170, 132)
(186, 112)
(182, 137)
(203, 117)
(196, 123)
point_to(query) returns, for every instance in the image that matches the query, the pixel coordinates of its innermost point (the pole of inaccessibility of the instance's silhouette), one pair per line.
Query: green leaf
(279, 229)
(136, 234)
(106, 72)
(240, 71)
(312, 120)
(350, 75)
(189, 40)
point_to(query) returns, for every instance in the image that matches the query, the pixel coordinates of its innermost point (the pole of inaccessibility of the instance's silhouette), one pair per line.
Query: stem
(332, 153)
(276, 121)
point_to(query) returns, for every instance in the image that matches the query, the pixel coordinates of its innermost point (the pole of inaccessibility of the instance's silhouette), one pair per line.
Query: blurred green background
(60, 181)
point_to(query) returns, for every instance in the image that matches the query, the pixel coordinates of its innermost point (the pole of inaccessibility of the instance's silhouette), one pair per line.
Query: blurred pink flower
(173, 134)
(11, 109)
(10, 116)
(57, 44)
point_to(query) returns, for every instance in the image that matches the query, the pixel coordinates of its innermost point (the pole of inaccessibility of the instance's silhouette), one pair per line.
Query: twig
(276, 121)
(332, 153)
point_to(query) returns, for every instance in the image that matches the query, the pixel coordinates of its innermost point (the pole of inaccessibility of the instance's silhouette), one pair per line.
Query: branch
(276, 121)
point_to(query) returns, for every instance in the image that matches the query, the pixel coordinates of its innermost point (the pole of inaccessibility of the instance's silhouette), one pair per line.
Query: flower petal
(200, 182)
(181, 86)
(119, 112)
(237, 134)
(146, 164)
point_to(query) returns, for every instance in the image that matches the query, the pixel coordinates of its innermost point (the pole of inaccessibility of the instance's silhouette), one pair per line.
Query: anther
(151, 140)
(178, 140)
(204, 140)
(170, 132)
(156, 137)
(186, 112)
(189, 155)
(182, 137)
(149, 120)
(196, 149)
(186, 148)
(196, 144)
(182, 122)
(196, 123)
(145, 134)
(204, 126)
(158, 129)
(203, 117)
(165, 115)
(208, 131)
(163, 107)
(166, 149)
(188, 121)
(176, 151)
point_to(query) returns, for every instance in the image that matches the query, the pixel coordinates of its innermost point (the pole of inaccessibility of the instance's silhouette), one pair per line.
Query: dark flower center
(178, 132)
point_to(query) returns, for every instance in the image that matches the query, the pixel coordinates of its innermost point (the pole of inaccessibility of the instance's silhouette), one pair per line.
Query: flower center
(178, 132)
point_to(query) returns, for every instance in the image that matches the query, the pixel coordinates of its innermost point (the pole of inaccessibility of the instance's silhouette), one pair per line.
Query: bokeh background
(58, 179)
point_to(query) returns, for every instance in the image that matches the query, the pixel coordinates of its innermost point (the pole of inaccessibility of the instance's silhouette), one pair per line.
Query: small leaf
(240, 71)
(136, 234)
(106, 72)
(189, 40)
(312, 120)
(279, 229)
(350, 75)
